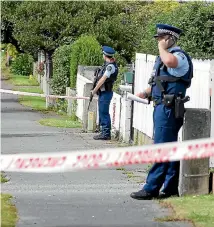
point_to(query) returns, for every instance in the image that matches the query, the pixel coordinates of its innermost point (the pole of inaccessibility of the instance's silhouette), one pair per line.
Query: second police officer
(171, 76)
(106, 77)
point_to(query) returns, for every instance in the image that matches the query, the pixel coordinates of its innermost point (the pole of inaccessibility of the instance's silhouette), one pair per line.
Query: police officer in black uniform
(171, 76)
(106, 77)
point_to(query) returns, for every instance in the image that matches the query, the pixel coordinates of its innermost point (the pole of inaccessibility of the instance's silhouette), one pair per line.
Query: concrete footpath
(76, 199)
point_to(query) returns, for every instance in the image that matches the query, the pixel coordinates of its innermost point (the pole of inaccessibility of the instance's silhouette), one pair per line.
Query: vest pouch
(168, 100)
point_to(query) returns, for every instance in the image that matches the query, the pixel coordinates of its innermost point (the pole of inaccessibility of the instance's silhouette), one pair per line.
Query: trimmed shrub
(11, 50)
(85, 51)
(61, 70)
(22, 65)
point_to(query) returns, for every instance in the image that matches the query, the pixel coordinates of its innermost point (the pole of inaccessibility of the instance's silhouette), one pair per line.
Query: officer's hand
(163, 44)
(141, 95)
(92, 93)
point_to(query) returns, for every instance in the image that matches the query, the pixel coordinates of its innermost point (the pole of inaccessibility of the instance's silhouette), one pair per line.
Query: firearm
(90, 100)
(96, 73)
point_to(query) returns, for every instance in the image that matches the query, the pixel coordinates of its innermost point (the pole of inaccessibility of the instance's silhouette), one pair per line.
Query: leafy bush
(11, 49)
(121, 62)
(120, 76)
(197, 22)
(22, 65)
(61, 69)
(85, 51)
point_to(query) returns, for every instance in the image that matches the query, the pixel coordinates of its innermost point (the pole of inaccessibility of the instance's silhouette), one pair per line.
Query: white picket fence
(199, 91)
(142, 118)
(115, 112)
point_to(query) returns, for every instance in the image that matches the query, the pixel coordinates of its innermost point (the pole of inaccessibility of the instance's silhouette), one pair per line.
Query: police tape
(129, 96)
(107, 158)
(42, 95)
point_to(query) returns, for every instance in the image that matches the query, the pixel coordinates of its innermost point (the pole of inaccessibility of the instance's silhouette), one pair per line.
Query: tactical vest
(163, 82)
(108, 84)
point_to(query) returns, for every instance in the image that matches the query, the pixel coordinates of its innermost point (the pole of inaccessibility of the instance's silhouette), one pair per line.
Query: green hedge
(195, 19)
(85, 51)
(61, 69)
(121, 62)
(22, 65)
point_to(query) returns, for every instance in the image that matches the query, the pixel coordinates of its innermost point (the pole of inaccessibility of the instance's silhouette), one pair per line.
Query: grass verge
(30, 84)
(197, 209)
(60, 122)
(29, 89)
(36, 103)
(18, 80)
(3, 179)
(8, 211)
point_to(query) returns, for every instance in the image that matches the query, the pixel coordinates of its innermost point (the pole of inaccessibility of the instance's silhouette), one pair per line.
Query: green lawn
(29, 89)
(18, 80)
(65, 122)
(199, 209)
(36, 103)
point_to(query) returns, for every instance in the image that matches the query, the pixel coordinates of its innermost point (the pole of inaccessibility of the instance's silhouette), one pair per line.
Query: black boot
(164, 195)
(143, 195)
(101, 137)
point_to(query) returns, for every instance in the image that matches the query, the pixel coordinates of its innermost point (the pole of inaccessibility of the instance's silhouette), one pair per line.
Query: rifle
(96, 73)
(90, 100)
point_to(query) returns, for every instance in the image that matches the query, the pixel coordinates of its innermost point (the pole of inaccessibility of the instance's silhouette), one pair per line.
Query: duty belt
(156, 102)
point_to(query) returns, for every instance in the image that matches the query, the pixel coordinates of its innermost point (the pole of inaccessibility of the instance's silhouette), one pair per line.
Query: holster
(179, 106)
(177, 103)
